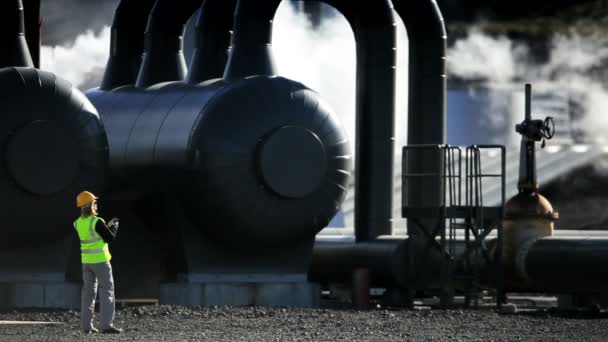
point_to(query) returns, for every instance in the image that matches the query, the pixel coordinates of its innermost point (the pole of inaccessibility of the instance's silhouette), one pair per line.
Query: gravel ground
(172, 323)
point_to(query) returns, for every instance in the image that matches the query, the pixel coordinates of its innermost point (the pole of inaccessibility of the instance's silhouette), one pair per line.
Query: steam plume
(573, 67)
(323, 59)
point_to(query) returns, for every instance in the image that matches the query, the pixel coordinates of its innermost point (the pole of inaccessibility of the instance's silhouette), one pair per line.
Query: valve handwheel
(548, 128)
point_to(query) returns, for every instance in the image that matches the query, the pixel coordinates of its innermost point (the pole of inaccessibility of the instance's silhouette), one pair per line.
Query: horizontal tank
(52, 146)
(260, 162)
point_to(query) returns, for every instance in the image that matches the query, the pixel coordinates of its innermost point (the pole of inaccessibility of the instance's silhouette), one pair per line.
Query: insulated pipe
(126, 43)
(252, 38)
(335, 258)
(213, 34)
(426, 94)
(565, 265)
(14, 50)
(33, 22)
(163, 59)
(374, 28)
(427, 71)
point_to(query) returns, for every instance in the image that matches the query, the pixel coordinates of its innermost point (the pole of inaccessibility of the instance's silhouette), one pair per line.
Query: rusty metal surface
(529, 205)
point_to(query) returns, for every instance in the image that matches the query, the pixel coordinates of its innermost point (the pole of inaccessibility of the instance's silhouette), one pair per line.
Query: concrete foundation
(44, 292)
(240, 292)
(41, 276)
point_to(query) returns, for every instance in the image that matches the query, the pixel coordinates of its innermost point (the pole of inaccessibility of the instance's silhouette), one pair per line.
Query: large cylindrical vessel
(260, 162)
(52, 146)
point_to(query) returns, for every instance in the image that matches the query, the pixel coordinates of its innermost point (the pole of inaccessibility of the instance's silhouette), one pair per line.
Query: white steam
(573, 68)
(322, 59)
(325, 60)
(480, 56)
(81, 62)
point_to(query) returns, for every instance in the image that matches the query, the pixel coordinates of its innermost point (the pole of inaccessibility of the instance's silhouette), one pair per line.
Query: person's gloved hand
(113, 223)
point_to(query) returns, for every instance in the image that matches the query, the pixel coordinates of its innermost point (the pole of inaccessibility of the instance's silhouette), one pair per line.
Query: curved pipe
(427, 76)
(163, 59)
(126, 43)
(212, 40)
(374, 28)
(14, 52)
(426, 92)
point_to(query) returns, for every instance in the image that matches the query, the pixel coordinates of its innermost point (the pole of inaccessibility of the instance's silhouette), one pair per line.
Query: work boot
(111, 330)
(92, 331)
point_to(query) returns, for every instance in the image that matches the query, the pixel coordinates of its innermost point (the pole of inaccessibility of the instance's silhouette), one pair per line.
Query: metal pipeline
(252, 38)
(14, 50)
(427, 70)
(334, 259)
(374, 27)
(163, 58)
(565, 265)
(427, 95)
(572, 262)
(213, 35)
(126, 43)
(33, 23)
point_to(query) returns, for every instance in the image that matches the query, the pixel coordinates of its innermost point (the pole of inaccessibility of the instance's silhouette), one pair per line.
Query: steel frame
(429, 224)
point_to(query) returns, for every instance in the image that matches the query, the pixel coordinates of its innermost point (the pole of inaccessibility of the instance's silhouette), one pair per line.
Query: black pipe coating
(126, 43)
(14, 50)
(213, 37)
(163, 58)
(373, 24)
(568, 264)
(251, 42)
(426, 95)
(33, 22)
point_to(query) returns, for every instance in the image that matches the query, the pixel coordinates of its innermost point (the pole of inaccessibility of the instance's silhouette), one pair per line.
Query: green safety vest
(92, 247)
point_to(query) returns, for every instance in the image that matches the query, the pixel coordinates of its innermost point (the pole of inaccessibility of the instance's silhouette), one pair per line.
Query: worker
(94, 236)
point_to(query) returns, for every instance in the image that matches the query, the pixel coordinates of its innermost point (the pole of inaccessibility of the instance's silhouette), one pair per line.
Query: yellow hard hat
(84, 198)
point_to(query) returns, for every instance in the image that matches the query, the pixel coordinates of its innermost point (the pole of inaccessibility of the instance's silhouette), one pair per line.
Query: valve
(535, 130)
(531, 131)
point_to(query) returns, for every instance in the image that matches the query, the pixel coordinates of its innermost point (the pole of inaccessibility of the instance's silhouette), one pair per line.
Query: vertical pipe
(426, 92)
(528, 102)
(527, 157)
(374, 27)
(375, 34)
(252, 38)
(213, 36)
(360, 288)
(126, 43)
(33, 22)
(14, 50)
(163, 59)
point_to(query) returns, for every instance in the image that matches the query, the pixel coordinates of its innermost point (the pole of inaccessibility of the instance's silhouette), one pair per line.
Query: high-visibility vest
(93, 249)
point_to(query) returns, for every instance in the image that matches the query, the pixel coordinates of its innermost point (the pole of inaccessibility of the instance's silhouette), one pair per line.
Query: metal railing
(435, 218)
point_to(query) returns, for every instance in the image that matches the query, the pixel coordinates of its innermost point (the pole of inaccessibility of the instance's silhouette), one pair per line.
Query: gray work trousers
(91, 275)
